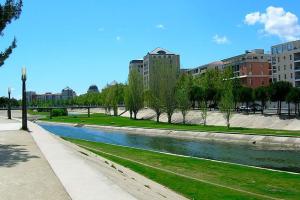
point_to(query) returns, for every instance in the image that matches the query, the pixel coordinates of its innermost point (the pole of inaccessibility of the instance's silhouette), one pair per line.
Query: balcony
(297, 57)
(297, 66)
(297, 76)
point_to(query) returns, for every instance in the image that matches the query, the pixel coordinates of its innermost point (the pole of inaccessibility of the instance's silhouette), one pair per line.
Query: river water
(287, 160)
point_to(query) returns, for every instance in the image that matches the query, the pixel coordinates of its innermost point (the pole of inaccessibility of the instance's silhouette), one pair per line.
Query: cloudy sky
(91, 42)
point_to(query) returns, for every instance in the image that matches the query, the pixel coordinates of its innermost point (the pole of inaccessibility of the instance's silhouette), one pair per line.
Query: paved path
(24, 171)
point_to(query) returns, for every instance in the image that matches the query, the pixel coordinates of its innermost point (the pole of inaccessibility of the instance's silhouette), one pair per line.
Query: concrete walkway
(24, 171)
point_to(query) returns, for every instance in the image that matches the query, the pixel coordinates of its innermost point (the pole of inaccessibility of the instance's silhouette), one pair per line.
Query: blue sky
(84, 42)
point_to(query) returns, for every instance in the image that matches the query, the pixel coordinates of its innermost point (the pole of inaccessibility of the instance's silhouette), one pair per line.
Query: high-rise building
(286, 62)
(158, 55)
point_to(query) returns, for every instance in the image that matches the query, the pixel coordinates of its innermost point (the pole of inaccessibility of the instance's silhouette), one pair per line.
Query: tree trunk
(157, 116)
(228, 123)
(130, 112)
(135, 113)
(183, 116)
(289, 110)
(169, 118)
(262, 107)
(277, 107)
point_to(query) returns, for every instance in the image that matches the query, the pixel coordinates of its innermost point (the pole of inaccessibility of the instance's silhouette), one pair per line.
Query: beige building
(146, 65)
(286, 62)
(158, 55)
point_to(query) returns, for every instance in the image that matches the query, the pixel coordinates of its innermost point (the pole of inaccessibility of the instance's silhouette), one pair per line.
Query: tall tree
(227, 98)
(9, 11)
(182, 95)
(168, 88)
(154, 94)
(135, 90)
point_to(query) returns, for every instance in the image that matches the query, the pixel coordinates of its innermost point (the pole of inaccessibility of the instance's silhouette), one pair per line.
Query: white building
(286, 62)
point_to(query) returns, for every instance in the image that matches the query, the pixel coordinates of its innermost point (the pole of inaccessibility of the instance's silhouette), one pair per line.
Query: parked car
(243, 109)
(214, 106)
(256, 107)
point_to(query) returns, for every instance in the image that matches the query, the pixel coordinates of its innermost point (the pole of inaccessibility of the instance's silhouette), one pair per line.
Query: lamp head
(23, 73)
(9, 90)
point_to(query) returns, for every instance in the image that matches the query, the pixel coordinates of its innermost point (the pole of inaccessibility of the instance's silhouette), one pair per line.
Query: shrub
(59, 112)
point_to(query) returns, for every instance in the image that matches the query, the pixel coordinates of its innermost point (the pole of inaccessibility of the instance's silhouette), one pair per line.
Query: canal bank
(263, 141)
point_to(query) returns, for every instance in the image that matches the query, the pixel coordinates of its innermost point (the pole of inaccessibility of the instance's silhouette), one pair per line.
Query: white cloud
(220, 39)
(118, 38)
(160, 26)
(277, 22)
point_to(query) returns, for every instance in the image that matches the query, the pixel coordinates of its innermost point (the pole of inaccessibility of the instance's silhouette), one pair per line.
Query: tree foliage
(227, 98)
(134, 98)
(9, 11)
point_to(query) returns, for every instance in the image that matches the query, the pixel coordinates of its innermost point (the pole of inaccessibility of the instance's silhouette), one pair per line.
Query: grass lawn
(107, 120)
(198, 178)
(32, 112)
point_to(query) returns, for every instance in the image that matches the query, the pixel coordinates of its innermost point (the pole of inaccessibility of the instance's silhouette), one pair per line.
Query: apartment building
(147, 66)
(252, 68)
(158, 55)
(66, 93)
(218, 65)
(286, 62)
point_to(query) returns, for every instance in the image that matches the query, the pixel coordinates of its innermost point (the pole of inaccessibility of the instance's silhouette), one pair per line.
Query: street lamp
(9, 105)
(24, 106)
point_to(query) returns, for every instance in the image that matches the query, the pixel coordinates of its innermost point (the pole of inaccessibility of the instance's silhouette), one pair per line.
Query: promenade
(24, 171)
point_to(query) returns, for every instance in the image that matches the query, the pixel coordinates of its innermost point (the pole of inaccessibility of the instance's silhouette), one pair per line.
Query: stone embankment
(216, 118)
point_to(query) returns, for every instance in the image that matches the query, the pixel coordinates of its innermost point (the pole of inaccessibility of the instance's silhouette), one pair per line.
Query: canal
(287, 160)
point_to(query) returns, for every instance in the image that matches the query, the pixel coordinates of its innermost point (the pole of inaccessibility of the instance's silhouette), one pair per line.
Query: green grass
(32, 112)
(189, 176)
(107, 120)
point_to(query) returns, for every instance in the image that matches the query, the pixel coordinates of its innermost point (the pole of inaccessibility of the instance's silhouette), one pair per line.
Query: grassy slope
(264, 182)
(101, 119)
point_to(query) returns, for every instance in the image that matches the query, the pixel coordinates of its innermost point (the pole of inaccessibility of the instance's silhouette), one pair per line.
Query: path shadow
(11, 155)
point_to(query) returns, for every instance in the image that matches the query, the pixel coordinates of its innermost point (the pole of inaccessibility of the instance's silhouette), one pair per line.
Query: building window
(283, 57)
(291, 58)
(279, 77)
(278, 59)
(291, 75)
(284, 67)
(291, 66)
(285, 77)
(279, 68)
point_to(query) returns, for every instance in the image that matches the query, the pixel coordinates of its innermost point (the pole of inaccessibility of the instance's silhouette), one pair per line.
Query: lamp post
(9, 105)
(24, 106)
